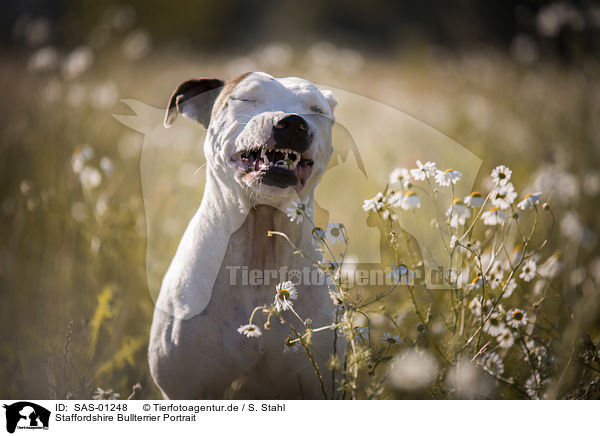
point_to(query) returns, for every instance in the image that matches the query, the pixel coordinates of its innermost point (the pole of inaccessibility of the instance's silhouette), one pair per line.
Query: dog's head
(273, 135)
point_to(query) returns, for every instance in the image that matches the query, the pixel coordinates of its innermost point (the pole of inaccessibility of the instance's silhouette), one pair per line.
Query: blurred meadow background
(513, 83)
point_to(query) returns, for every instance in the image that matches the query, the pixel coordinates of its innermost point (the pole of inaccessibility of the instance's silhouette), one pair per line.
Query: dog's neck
(252, 246)
(249, 224)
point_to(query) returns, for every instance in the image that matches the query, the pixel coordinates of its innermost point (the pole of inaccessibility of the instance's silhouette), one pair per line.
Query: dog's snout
(293, 122)
(291, 131)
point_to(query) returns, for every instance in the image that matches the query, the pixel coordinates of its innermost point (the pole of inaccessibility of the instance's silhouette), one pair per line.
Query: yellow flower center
(475, 194)
(283, 294)
(517, 315)
(448, 170)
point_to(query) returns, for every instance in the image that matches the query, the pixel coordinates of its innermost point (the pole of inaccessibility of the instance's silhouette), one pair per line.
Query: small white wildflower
(551, 267)
(411, 201)
(504, 195)
(528, 270)
(447, 177)
(475, 284)
(506, 339)
(458, 213)
(107, 166)
(501, 175)
(391, 339)
(375, 204)
(509, 288)
(494, 326)
(493, 217)
(493, 363)
(249, 330)
(400, 176)
(285, 294)
(413, 370)
(90, 178)
(101, 394)
(572, 227)
(318, 234)
(530, 200)
(423, 171)
(298, 209)
(396, 199)
(474, 200)
(516, 318)
(495, 277)
(335, 232)
(475, 306)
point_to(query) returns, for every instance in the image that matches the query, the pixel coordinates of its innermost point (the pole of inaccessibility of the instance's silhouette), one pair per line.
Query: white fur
(195, 350)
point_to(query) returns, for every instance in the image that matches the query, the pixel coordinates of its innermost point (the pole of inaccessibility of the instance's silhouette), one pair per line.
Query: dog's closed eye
(242, 99)
(316, 109)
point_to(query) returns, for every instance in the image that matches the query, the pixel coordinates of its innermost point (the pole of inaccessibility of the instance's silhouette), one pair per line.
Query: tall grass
(75, 303)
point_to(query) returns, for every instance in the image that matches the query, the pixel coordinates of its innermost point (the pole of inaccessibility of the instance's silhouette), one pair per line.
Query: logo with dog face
(26, 415)
(369, 139)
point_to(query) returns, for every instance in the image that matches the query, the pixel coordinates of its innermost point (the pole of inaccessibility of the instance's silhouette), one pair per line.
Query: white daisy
(395, 199)
(506, 339)
(495, 276)
(90, 178)
(530, 200)
(249, 330)
(493, 217)
(551, 267)
(335, 233)
(411, 200)
(390, 339)
(509, 288)
(101, 394)
(494, 326)
(318, 234)
(501, 174)
(445, 178)
(375, 204)
(534, 385)
(475, 306)
(528, 270)
(400, 176)
(474, 200)
(458, 213)
(504, 195)
(516, 318)
(475, 284)
(423, 171)
(493, 363)
(298, 210)
(285, 294)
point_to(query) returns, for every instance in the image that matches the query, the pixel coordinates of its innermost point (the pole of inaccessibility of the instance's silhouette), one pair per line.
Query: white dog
(268, 142)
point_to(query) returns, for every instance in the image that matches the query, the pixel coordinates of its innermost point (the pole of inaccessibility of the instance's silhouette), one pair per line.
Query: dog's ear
(330, 99)
(193, 99)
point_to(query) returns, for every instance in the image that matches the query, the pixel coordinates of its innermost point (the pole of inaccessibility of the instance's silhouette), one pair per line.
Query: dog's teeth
(263, 155)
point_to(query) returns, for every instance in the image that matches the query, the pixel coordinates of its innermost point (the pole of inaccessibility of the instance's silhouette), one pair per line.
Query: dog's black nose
(293, 122)
(291, 131)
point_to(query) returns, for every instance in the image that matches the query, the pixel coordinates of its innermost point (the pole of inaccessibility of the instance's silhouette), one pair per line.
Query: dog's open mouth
(275, 167)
